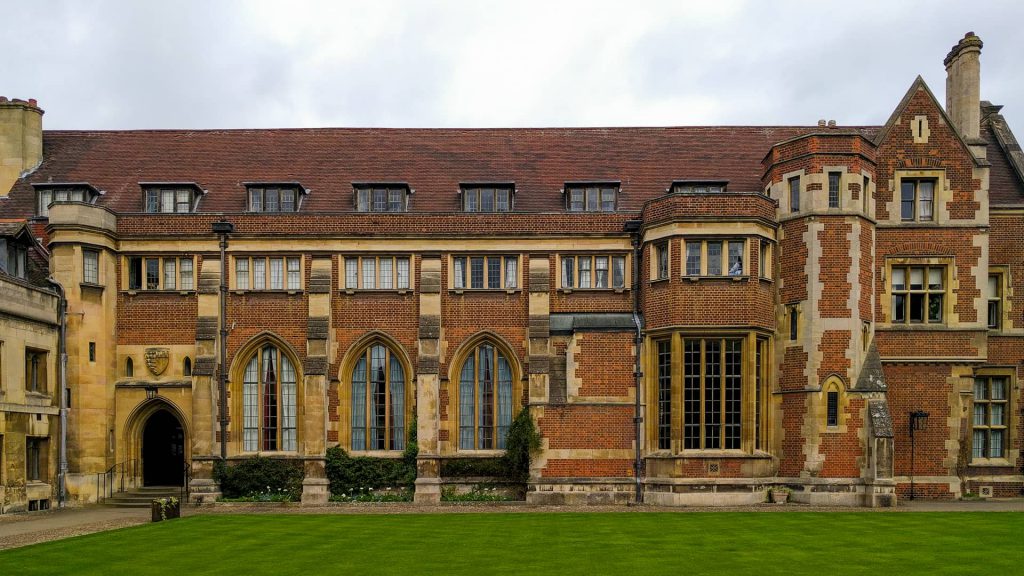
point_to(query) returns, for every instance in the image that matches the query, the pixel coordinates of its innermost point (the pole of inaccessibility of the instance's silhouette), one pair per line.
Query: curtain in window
(466, 415)
(250, 396)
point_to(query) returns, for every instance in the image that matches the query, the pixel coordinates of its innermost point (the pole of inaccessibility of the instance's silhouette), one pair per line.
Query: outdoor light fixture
(223, 228)
(150, 392)
(918, 421)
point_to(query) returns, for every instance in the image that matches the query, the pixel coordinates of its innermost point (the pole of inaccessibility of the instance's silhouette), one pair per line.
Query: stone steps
(142, 497)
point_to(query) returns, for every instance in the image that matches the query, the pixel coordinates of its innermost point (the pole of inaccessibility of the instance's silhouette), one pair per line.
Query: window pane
(294, 279)
(170, 275)
(504, 402)
(607, 199)
(601, 272)
(259, 273)
(996, 415)
(993, 286)
(380, 200)
(794, 194)
(184, 201)
(476, 272)
(256, 200)
(917, 278)
(924, 191)
(935, 278)
(152, 201)
(712, 394)
(576, 200)
(917, 307)
(459, 272)
(899, 279)
(511, 272)
(691, 394)
(736, 258)
(907, 200)
(152, 273)
(584, 263)
(494, 272)
(978, 444)
(833, 190)
(467, 416)
(618, 271)
(487, 200)
(363, 200)
(935, 307)
(472, 199)
(568, 272)
(288, 405)
(351, 273)
(395, 200)
(270, 199)
(980, 389)
(733, 393)
(186, 274)
(995, 448)
(369, 273)
(167, 200)
(714, 258)
(592, 199)
(403, 273)
(276, 274)
(397, 391)
(359, 405)
(693, 258)
(662, 253)
(242, 273)
(485, 397)
(664, 395)
(378, 397)
(287, 200)
(502, 200)
(91, 272)
(386, 273)
(980, 418)
(250, 401)
(998, 389)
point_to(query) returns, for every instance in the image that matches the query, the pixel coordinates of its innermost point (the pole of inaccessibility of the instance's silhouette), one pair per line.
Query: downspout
(633, 227)
(223, 374)
(62, 371)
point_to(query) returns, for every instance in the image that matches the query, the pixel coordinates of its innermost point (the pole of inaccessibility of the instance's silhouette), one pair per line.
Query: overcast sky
(208, 64)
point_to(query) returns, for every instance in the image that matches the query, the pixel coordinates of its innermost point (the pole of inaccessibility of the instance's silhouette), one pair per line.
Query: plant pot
(780, 496)
(165, 509)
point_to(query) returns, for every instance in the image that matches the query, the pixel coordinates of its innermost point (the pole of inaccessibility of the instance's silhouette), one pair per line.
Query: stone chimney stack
(963, 86)
(21, 140)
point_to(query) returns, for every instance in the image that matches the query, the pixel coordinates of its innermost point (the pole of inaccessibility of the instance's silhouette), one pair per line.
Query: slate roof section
(433, 161)
(872, 377)
(562, 323)
(1006, 177)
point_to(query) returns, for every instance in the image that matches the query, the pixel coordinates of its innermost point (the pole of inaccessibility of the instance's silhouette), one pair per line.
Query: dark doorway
(163, 450)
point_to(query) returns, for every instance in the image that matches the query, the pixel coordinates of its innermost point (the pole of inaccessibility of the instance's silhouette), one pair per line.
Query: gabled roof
(915, 86)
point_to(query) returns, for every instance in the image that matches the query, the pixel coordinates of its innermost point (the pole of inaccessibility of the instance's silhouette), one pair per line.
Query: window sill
(710, 454)
(91, 286)
(464, 291)
(468, 453)
(354, 291)
(179, 292)
(659, 280)
(288, 292)
(592, 290)
(395, 454)
(990, 462)
(734, 278)
(917, 326)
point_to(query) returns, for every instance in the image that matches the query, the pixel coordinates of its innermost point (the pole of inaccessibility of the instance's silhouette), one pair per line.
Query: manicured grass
(554, 543)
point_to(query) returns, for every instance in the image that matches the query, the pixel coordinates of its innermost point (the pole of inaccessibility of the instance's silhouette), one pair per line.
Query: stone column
(428, 480)
(315, 486)
(205, 394)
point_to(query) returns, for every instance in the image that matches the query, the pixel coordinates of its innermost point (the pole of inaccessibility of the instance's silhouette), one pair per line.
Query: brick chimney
(21, 140)
(963, 86)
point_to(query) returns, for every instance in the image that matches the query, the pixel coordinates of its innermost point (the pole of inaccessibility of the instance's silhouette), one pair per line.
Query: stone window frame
(462, 263)
(748, 401)
(37, 458)
(656, 251)
(180, 284)
(360, 277)
(794, 192)
(393, 353)
(268, 260)
(725, 267)
(468, 348)
(93, 266)
(253, 349)
(834, 387)
(837, 193)
(947, 263)
(1000, 300)
(792, 323)
(942, 194)
(37, 371)
(562, 258)
(1010, 415)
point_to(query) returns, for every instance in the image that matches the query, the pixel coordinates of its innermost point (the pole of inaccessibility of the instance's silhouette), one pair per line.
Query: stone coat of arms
(156, 360)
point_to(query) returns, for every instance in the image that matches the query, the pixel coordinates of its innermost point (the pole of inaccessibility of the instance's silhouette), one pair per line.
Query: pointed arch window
(485, 399)
(186, 366)
(378, 400)
(268, 398)
(129, 368)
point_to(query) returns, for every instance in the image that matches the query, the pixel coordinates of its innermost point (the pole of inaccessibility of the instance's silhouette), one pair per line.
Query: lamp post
(223, 228)
(918, 421)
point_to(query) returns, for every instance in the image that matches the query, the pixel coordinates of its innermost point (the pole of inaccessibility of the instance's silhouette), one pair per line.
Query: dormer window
(275, 197)
(171, 198)
(591, 196)
(382, 197)
(699, 186)
(47, 194)
(487, 197)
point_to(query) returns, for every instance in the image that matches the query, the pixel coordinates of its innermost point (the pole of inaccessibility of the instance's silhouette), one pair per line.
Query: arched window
(268, 398)
(832, 408)
(129, 368)
(485, 399)
(378, 400)
(186, 367)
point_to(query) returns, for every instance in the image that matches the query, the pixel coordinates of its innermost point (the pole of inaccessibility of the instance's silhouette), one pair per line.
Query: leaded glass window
(378, 400)
(485, 399)
(269, 391)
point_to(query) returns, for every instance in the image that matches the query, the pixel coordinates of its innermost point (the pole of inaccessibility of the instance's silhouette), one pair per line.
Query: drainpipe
(223, 228)
(62, 371)
(633, 227)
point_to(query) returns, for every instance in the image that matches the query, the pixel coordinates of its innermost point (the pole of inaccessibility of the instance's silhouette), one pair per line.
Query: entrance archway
(163, 450)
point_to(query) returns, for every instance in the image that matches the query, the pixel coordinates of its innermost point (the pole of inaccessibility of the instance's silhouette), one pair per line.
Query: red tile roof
(432, 161)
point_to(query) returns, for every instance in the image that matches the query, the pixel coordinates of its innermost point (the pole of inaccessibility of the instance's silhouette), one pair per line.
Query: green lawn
(822, 544)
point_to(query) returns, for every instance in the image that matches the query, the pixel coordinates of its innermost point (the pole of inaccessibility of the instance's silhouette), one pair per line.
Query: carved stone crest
(156, 360)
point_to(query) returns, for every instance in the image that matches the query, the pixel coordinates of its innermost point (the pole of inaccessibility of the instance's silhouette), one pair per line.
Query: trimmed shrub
(475, 468)
(357, 475)
(523, 440)
(253, 477)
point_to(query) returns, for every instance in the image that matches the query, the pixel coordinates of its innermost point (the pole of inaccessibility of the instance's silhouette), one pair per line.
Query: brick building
(772, 304)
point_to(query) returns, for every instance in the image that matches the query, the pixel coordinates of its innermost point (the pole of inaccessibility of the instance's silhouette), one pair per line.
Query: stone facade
(770, 301)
